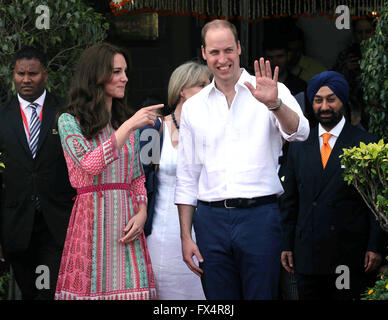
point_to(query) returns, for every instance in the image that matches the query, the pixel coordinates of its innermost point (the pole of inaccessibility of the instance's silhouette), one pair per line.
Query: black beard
(329, 122)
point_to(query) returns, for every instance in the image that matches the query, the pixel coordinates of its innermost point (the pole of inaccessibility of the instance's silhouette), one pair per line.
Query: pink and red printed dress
(110, 187)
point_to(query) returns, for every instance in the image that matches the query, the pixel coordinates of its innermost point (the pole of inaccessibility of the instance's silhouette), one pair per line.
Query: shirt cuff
(301, 133)
(141, 199)
(185, 199)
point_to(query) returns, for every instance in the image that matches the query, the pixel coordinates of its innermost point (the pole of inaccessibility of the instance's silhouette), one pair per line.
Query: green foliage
(380, 289)
(374, 67)
(366, 168)
(1, 164)
(4, 284)
(73, 26)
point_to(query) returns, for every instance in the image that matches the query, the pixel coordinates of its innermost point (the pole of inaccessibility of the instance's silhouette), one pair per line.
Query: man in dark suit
(36, 194)
(330, 238)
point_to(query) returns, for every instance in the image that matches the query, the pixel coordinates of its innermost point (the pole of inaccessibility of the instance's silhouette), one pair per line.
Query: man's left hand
(372, 261)
(266, 90)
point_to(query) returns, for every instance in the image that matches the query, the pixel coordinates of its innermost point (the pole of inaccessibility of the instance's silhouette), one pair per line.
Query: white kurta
(174, 280)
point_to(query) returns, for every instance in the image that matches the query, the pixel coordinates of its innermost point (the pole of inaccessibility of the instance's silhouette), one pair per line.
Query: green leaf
(72, 24)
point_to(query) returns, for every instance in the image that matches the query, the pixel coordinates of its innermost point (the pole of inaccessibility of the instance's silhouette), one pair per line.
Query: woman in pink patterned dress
(105, 254)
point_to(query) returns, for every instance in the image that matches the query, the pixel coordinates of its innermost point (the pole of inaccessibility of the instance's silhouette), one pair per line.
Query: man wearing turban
(330, 240)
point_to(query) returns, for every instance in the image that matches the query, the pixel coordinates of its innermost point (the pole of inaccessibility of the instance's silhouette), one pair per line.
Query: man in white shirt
(326, 223)
(230, 142)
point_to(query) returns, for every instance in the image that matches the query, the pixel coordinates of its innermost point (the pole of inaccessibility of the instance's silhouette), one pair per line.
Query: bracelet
(277, 106)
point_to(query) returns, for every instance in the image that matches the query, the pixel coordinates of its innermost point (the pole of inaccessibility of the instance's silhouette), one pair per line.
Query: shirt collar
(245, 76)
(24, 103)
(335, 131)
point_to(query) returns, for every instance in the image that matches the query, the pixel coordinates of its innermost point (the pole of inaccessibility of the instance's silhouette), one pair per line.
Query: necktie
(326, 149)
(34, 129)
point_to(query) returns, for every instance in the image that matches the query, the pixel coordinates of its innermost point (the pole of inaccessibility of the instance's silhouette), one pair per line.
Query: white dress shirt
(231, 152)
(335, 132)
(28, 111)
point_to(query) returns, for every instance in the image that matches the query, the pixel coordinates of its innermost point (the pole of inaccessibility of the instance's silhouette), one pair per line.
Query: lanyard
(25, 119)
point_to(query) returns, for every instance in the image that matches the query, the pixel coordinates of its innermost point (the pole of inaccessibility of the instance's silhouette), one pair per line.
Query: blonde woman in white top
(174, 281)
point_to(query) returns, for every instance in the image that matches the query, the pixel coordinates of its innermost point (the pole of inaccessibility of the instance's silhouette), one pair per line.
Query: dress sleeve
(138, 176)
(89, 158)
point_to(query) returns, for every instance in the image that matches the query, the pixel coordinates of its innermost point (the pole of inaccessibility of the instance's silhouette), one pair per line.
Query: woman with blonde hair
(174, 281)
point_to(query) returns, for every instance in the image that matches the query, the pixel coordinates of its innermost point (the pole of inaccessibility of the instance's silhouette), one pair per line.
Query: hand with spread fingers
(266, 90)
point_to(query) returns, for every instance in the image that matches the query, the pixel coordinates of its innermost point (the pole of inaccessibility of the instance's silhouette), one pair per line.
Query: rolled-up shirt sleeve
(303, 126)
(301, 134)
(188, 166)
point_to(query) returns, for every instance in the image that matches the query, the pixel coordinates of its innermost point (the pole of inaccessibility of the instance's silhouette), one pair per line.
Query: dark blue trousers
(241, 251)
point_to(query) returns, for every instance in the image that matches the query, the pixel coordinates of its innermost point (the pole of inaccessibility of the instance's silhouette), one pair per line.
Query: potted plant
(366, 166)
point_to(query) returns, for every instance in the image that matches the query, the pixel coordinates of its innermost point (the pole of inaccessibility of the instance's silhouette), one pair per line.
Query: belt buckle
(226, 207)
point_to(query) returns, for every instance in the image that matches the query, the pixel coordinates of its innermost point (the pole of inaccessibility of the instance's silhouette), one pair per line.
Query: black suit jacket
(150, 170)
(325, 222)
(25, 178)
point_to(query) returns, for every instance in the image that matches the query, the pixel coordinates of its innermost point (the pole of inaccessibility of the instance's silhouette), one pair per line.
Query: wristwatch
(277, 106)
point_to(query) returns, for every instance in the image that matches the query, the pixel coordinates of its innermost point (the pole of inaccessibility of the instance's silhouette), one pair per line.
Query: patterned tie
(34, 138)
(34, 129)
(326, 149)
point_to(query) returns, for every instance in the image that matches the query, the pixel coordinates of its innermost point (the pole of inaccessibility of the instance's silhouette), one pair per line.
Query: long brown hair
(87, 94)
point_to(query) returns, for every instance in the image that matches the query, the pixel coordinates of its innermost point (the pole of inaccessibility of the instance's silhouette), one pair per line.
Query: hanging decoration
(248, 10)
